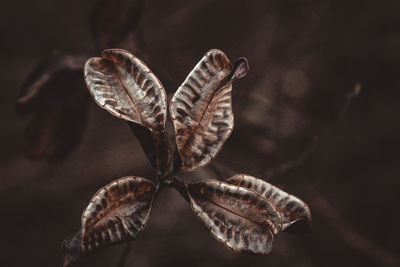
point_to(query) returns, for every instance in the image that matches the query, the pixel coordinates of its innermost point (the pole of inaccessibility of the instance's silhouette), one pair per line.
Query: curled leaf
(240, 68)
(118, 212)
(55, 93)
(292, 209)
(124, 86)
(201, 109)
(240, 218)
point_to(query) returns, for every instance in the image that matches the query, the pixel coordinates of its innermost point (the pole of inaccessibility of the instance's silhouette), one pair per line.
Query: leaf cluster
(243, 212)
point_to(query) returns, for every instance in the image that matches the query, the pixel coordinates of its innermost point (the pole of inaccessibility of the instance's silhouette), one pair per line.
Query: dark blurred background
(317, 115)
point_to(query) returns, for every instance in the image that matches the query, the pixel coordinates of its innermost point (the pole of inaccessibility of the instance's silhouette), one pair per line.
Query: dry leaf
(118, 212)
(201, 110)
(292, 209)
(55, 93)
(240, 218)
(124, 86)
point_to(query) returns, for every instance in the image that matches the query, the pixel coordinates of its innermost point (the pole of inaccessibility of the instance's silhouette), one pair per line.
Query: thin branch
(321, 206)
(349, 97)
(345, 231)
(291, 164)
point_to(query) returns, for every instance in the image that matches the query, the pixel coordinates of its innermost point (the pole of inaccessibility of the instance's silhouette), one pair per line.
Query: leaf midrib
(192, 132)
(237, 214)
(127, 92)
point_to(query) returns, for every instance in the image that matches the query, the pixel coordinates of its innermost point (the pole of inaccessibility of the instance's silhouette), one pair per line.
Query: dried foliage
(118, 212)
(290, 207)
(201, 110)
(123, 85)
(236, 216)
(110, 218)
(305, 57)
(244, 213)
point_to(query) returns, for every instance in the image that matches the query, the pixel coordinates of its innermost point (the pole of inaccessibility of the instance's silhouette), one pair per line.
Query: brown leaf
(118, 212)
(201, 110)
(55, 93)
(240, 218)
(124, 86)
(292, 209)
(112, 20)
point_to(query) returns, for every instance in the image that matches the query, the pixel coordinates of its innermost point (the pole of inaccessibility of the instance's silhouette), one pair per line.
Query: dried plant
(243, 212)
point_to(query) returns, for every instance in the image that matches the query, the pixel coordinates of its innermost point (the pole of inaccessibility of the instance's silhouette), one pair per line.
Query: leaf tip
(299, 226)
(240, 68)
(303, 224)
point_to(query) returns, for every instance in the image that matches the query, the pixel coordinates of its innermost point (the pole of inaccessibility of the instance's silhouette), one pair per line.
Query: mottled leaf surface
(118, 212)
(56, 95)
(292, 208)
(123, 85)
(201, 110)
(240, 218)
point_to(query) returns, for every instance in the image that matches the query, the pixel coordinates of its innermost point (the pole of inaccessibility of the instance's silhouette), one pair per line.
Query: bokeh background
(317, 115)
